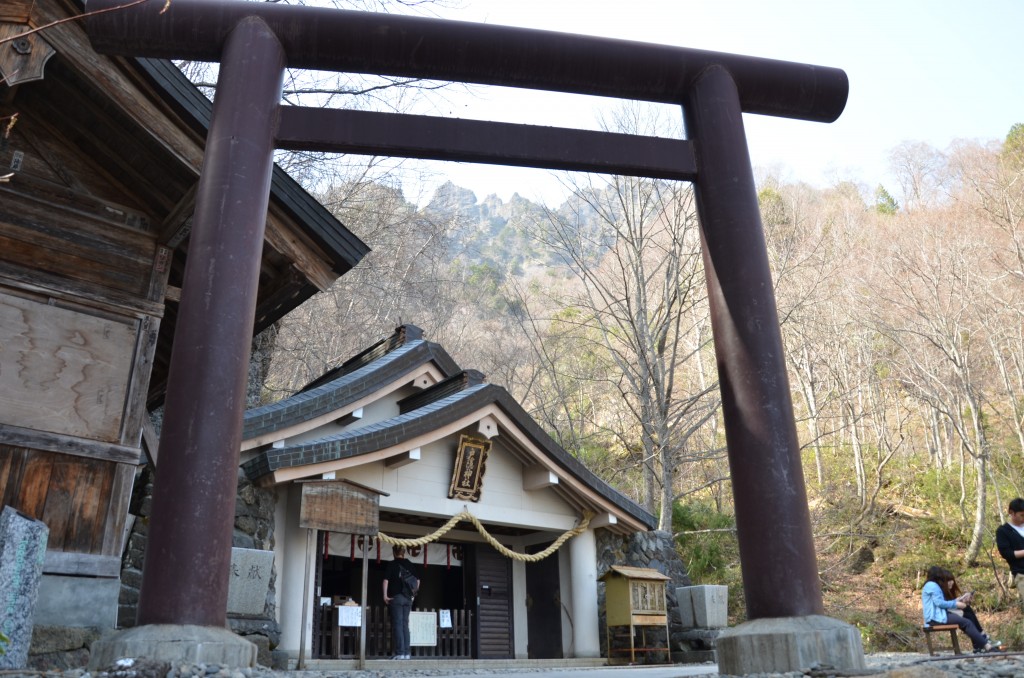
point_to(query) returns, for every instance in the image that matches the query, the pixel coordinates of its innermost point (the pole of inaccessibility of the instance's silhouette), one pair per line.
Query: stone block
(22, 552)
(249, 626)
(789, 644)
(693, 656)
(696, 639)
(56, 639)
(262, 643)
(59, 661)
(703, 607)
(175, 644)
(61, 648)
(250, 580)
(78, 601)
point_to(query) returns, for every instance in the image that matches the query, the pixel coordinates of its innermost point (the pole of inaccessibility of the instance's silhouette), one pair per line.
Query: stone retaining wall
(655, 550)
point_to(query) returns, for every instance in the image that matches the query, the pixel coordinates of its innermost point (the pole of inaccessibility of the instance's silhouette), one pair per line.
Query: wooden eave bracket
(603, 520)
(350, 417)
(537, 478)
(425, 380)
(403, 458)
(23, 57)
(488, 427)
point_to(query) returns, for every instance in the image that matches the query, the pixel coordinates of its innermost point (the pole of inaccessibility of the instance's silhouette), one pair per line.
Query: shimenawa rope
(507, 552)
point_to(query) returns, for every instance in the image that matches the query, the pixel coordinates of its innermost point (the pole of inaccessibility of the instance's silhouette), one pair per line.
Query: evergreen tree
(884, 202)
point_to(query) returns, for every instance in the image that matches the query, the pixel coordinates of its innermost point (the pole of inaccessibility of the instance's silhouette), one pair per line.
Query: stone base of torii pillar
(783, 644)
(173, 643)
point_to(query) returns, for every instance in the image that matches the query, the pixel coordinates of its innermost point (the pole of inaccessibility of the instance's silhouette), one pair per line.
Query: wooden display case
(635, 599)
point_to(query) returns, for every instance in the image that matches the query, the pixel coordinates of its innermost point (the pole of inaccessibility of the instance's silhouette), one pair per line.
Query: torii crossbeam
(185, 580)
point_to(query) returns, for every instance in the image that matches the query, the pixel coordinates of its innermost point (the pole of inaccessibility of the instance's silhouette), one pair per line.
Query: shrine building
(427, 441)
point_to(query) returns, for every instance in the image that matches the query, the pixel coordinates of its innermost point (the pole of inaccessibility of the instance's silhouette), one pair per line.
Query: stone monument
(22, 552)
(250, 581)
(703, 607)
(703, 614)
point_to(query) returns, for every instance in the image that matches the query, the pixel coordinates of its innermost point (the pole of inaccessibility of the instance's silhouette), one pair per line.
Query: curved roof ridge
(399, 420)
(338, 392)
(409, 425)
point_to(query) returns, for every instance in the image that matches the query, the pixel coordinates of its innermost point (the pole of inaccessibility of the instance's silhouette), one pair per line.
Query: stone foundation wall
(59, 648)
(655, 550)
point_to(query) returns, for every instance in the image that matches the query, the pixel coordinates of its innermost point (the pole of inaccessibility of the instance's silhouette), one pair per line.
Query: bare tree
(632, 245)
(930, 281)
(404, 278)
(920, 170)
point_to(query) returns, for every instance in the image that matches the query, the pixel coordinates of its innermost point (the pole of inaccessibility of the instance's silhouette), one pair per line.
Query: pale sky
(920, 70)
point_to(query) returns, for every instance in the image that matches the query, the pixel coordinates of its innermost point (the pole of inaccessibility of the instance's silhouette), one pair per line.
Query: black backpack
(409, 581)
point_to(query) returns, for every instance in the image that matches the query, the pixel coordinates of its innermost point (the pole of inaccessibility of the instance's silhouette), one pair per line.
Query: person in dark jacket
(1010, 542)
(398, 597)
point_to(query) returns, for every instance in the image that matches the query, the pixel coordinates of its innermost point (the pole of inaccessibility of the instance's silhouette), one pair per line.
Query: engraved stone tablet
(250, 580)
(22, 552)
(703, 607)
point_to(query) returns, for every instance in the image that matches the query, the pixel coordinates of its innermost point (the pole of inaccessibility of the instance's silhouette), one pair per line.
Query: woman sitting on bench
(952, 591)
(936, 605)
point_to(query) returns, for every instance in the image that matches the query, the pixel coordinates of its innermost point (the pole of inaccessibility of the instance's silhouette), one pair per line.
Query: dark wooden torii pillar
(186, 570)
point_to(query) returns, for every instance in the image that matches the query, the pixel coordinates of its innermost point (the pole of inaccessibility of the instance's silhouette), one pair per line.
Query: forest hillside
(901, 310)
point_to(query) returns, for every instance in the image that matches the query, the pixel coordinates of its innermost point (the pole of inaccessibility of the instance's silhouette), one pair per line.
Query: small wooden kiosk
(635, 598)
(339, 506)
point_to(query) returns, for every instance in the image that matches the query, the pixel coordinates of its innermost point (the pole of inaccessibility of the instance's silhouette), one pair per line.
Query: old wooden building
(99, 161)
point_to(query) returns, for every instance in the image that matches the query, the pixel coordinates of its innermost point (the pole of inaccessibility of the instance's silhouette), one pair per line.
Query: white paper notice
(446, 619)
(423, 629)
(350, 615)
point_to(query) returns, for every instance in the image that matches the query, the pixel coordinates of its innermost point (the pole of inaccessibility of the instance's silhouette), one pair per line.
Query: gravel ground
(896, 665)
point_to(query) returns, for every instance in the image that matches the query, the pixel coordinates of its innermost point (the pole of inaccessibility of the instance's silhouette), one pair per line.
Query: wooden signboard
(339, 506)
(468, 472)
(65, 371)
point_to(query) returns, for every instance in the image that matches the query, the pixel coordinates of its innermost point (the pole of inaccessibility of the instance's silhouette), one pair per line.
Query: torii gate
(185, 578)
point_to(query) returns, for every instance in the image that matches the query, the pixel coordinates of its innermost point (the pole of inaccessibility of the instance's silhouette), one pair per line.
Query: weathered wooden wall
(64, 371)
(83, 278)
(81, 500)
(99, 161)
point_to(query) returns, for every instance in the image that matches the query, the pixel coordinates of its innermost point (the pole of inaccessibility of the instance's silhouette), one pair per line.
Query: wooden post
(305, 601)
(363, 614)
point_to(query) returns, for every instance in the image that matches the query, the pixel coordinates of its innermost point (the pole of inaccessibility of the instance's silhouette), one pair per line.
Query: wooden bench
(939, 628)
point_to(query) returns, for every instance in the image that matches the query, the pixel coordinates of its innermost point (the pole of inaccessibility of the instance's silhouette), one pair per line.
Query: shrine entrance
(463, 610)
(543, 607)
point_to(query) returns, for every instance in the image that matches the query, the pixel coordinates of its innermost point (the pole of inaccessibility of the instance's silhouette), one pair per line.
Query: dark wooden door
(491, 577)
(543, 607)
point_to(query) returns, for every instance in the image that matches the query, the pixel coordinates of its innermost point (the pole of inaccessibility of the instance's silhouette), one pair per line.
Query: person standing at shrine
(400, 587)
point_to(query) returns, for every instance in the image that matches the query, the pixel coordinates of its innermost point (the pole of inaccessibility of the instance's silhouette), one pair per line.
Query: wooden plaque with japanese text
(337, 506)
(468, 473)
